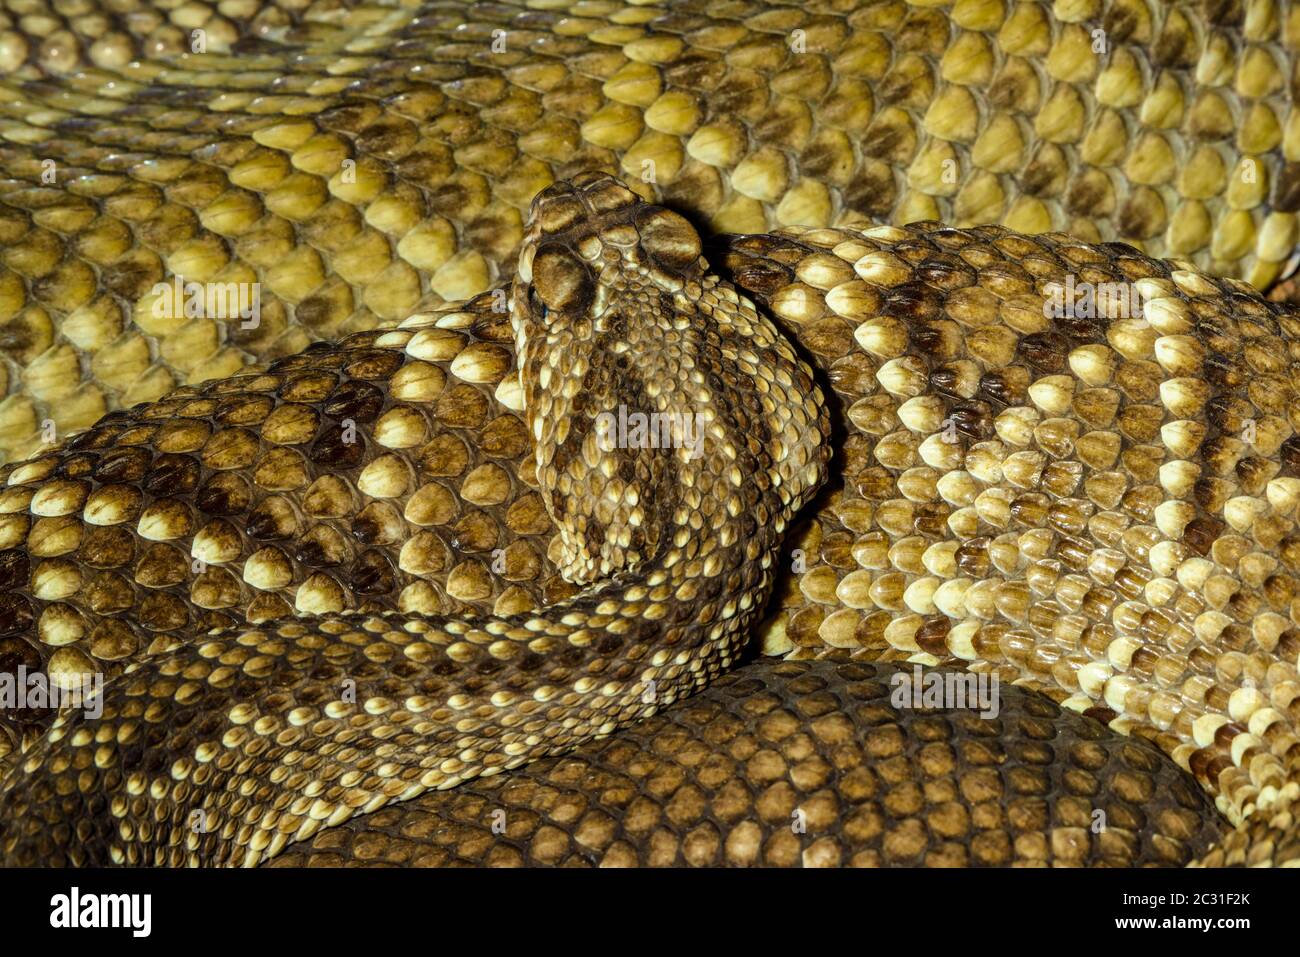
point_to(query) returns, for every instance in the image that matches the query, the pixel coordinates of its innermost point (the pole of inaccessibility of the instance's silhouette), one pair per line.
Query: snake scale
(343, 564)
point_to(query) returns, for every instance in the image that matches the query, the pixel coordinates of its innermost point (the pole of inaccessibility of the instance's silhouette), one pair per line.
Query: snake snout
(603, 191)
(593, 231)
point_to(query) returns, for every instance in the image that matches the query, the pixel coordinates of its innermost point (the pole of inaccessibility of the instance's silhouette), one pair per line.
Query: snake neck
(677, 542)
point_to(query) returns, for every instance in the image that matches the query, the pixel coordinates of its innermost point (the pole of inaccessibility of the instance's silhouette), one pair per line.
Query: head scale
(591, 241)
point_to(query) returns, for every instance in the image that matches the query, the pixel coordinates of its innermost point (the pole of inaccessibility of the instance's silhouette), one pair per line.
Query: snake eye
(561, 280)
(535, 302)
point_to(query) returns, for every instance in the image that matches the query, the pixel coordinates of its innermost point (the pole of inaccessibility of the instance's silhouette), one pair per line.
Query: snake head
(607, 287)
(646, 378)
(590, 242)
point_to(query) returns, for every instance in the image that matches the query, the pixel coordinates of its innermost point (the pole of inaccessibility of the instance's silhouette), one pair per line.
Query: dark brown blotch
(224, 494)
(372, 574)
(359, 401)
(123, 465)
(331, 449)
(172, 474)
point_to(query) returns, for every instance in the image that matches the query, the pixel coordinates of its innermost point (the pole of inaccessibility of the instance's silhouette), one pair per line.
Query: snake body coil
(683, 542)
(1098, 504)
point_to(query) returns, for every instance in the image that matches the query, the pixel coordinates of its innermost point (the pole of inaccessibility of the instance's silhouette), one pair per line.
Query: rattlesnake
(1069, 539)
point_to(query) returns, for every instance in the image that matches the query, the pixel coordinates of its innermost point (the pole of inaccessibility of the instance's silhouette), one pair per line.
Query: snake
(367, 585)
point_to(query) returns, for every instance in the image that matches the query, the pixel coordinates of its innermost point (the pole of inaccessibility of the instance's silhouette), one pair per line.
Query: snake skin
(1111, 530)
(359, 160)
(807, 764)
(1089, 540)
(280, 730)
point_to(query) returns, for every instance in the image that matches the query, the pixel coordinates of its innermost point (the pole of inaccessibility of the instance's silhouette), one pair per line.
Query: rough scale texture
(1114, 521)
(808, 764)
(1097, 531)
(1113, 527)
(226, 748)
(358, 159)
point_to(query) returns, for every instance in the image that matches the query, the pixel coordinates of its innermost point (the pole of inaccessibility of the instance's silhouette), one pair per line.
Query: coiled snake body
(1099, 506)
